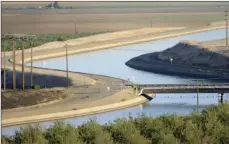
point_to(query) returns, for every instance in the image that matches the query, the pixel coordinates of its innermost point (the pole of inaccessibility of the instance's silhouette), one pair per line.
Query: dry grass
(15, 99)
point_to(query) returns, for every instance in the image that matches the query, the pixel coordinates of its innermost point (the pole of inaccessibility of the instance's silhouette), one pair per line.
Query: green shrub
(60, 39)
(149, 127)
(7, 140)
(210, 126)
(36, 87)
(192, 133)
(29, 134)
(174, 123)
(169, 139)
(124, 131)
(92, 132)
(62, 133)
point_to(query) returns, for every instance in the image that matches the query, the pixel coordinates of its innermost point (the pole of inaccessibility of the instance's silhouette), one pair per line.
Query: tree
(55, 5)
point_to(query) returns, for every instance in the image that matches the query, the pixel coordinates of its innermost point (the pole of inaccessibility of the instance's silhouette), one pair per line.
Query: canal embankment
(95, 107)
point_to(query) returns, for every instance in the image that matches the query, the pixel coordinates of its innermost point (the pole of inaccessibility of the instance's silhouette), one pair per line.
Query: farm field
(107, 16)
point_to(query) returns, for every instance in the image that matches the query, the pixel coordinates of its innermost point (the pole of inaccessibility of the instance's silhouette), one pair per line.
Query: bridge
(151, 89)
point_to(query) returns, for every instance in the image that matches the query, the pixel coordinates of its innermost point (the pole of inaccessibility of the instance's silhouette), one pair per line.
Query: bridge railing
(177, 85)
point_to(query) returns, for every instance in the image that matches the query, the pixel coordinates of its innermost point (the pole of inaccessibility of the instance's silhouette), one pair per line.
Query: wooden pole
(226, 29)
(4, 58)
(31, 66)
(2, 54)
(23, 72)
(75, 27)
(14, 70)
(67, 65)
(226, 19)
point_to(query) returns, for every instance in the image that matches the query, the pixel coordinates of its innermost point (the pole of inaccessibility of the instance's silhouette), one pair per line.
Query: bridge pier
(220, 98)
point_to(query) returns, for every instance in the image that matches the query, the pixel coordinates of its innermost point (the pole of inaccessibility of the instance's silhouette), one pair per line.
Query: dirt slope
(193, 54)
(190, 59)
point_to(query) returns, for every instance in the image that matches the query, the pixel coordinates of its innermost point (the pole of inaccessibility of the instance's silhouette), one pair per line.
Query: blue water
(111, 62)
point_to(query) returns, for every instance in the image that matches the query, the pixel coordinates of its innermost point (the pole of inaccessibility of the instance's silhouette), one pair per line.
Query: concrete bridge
(151, 89)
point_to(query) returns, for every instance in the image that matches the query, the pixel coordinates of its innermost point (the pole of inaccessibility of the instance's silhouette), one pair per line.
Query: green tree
(124, 131)
(93, 133)
(174, 123)
(62, 133)
(29, 134)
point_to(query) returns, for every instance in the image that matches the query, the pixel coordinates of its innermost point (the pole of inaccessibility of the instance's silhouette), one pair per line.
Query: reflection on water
(99, 62)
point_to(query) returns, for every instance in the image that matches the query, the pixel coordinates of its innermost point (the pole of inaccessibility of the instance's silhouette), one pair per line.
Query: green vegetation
(41, 39)
(36, 87)
(210, 126)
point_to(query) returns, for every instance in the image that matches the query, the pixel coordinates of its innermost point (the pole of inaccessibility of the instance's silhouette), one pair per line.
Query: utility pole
(226, 18)
(75, 27)
(2, 54)
(67, 64)
(4, 65)
(23, 72)
(31, 66)
(14, 62)
(31, 59)
(22, 37)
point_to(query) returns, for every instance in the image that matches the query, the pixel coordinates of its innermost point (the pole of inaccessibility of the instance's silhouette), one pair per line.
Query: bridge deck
(185, 88)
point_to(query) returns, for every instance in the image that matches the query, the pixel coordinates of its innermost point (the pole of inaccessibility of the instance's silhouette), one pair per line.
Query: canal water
(111, 62)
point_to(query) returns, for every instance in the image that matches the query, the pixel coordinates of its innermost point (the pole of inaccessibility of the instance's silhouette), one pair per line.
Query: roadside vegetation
(45, 38)
(211, 126)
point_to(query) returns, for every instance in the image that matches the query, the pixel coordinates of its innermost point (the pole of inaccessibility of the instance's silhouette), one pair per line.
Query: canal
(111, 62)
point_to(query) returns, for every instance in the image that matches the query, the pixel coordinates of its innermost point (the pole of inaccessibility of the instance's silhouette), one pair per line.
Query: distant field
(90, 17)
(119, 4)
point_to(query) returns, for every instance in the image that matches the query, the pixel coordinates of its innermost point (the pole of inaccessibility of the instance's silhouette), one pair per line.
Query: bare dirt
(187, 58)
(194, 54)
(14, 99)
